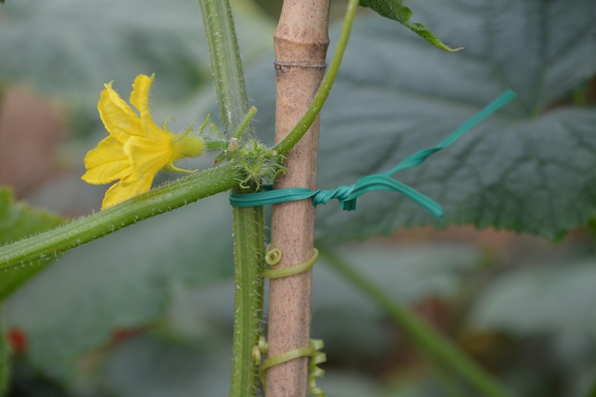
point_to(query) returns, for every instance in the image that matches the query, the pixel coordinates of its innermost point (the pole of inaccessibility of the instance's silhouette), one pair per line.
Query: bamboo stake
(300, 44)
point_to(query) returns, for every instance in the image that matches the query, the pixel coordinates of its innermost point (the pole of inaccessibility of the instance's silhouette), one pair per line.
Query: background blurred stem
(425, 337)
(249, 244)
(451, 385)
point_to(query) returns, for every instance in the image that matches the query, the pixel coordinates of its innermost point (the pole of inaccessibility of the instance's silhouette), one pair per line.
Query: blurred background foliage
(148, 311)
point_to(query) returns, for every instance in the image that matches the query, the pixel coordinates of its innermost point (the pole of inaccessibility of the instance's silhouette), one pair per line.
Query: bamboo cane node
(317, 65)
(273, 256)
(313, 351)
(288, 49)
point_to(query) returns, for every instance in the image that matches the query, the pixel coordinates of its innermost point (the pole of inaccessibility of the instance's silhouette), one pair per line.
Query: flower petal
(139, 98)
(147, 157)
(106, 163)
(118, 118)
(126, 189)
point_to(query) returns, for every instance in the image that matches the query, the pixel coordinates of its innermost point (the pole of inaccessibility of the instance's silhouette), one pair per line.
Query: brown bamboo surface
(300, 43)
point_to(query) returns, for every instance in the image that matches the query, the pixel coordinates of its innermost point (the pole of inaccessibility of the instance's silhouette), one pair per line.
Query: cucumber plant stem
(47, 245)
(249, 235)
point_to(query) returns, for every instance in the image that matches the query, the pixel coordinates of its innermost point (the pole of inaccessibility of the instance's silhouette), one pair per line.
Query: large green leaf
(71, 47)
(551, 304)
(149, 367)
(18, 220)
(409, 274)
(531, 167)
(540, 300)
(119, 283)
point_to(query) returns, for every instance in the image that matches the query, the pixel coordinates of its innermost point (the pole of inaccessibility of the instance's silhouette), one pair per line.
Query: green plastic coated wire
(347, 195)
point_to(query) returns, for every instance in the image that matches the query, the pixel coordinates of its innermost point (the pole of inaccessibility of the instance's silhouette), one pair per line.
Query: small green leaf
(18, 220)
(396, 10)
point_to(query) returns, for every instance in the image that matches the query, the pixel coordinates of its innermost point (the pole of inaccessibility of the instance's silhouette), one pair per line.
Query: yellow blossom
(136, 148)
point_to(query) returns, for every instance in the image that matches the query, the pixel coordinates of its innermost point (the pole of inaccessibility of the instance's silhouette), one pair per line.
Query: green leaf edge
(394, 9)
(14, 212)
(29, 221)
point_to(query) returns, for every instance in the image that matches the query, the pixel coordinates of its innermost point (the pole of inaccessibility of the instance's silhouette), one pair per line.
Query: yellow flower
(136, 148)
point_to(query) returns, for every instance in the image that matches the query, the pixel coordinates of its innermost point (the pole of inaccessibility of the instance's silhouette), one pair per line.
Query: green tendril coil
(272, 257)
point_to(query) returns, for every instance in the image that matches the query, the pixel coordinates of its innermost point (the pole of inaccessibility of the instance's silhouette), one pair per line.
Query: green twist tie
(316, 357)
(347, 195)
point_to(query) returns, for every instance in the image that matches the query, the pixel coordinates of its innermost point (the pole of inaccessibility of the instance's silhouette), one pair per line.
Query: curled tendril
(261, 348)
(273, 256)
(316, 357)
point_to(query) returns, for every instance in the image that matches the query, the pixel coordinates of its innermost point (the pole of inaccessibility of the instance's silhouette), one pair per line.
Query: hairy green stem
(249, 235)
(216, 145)
(165, 198)
(245, 123)
(226, 64)
(317, 104)
(425, 337)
